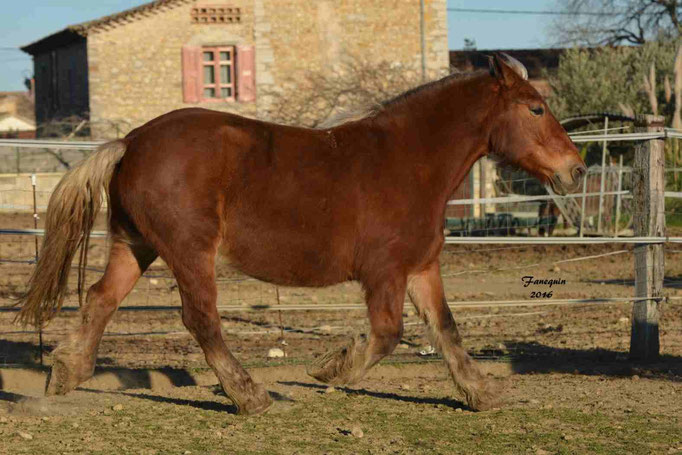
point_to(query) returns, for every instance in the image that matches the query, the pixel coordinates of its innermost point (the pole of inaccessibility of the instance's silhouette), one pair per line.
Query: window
(213, 74)
(217, 64)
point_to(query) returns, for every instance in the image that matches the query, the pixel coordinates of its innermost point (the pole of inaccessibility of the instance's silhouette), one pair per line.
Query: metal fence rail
(48, 144)
(577, 137)
(362, 306)
(495, 240)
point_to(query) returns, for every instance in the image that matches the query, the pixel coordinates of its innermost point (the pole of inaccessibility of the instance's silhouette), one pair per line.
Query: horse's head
(526, 134)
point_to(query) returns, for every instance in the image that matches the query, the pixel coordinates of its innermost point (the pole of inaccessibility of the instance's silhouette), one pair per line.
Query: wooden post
(35, 237)
(618, 198)
(582, 209)
(649, 221)
(603, 175)
(673, 149)
(476, 189)
(483, 194)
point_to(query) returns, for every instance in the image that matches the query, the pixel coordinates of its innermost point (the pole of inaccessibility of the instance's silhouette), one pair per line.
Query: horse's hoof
(481, 404)
(59, 380)
(259, 404)
(485, 398)
(332, 367)
(319, 372)
(327, 374)
(66, 374)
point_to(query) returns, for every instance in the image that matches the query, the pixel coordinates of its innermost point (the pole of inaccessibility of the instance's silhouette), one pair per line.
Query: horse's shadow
(26, 355)
(198, 404)
(449, 402)
(203, 405)
(11, 397)
(530, 357)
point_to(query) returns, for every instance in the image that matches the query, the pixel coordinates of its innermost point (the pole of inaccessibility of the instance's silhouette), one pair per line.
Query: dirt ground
(399, 409)
(568, 384)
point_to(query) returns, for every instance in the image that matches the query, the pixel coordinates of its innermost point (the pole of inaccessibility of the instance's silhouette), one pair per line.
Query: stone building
(127, 68)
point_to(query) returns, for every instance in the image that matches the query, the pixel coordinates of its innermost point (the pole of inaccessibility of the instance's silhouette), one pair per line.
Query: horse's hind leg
(426, 292)
(196, 280)
(74, 358)
(350, 363)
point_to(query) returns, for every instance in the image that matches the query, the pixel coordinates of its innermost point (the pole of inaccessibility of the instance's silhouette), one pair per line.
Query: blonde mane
(371, 109)
(350, 115)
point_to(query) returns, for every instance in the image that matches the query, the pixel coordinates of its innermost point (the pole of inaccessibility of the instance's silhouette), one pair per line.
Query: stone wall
(135, 68)
(16, 191)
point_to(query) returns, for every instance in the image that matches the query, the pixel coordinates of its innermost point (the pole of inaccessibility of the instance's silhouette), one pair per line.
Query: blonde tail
(71, 213)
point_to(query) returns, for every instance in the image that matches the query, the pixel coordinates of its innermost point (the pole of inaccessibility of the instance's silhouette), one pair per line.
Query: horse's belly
(287, 260)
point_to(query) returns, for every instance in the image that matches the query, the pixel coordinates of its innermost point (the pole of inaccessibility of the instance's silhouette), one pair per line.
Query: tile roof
(76, 31)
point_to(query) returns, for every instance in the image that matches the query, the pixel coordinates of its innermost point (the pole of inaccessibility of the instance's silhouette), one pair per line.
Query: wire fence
(518, 226)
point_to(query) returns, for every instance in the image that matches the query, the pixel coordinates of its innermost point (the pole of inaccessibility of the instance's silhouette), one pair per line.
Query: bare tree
(612, 22)
(77, 127)
(321, 95)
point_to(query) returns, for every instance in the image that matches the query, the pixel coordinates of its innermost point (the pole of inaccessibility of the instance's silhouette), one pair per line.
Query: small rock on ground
(23, 435)
(357, 432)
(275, 353)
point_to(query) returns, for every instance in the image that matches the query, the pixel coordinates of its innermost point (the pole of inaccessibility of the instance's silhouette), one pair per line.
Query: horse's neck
(452, 121)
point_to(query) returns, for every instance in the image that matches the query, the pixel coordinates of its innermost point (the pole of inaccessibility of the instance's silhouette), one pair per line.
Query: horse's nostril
(578, 172)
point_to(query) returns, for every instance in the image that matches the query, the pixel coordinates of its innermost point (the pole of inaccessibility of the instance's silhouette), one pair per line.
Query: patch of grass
(315, 422)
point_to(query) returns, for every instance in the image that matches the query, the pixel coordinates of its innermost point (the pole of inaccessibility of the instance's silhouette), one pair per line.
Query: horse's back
(279, 206)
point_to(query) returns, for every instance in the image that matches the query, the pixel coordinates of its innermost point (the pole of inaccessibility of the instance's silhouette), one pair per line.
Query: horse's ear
(506, 68)
(494, 67)
(514, 64)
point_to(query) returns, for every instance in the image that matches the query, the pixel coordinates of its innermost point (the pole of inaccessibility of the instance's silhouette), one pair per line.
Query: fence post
(603, 174)
(482, 183)
(582, 210)
(620, 188)
(649, 221)
(35, 237)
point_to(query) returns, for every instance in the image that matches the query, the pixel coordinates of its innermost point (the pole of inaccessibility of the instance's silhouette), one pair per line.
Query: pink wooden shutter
(191, 66)
(246, 76)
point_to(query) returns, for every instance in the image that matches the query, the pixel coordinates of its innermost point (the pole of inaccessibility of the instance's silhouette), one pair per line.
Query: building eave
(73, 33)
(61, 38)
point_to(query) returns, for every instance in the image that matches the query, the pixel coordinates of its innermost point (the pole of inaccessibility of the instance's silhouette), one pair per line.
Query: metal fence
(600, 214)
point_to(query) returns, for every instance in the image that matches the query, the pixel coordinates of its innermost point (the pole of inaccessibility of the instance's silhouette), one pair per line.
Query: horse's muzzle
(561, 187)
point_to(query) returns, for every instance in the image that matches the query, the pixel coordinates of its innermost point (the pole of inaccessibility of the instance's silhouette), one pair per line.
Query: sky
(23, 22)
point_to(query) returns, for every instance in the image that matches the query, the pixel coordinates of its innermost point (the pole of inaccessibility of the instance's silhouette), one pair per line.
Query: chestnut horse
(363, 200)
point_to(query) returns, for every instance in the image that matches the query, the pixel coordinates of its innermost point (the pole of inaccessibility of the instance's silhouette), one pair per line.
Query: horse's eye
(537, 110)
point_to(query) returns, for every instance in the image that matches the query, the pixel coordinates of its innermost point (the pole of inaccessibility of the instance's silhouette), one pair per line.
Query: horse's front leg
(426, 292)
(350, 364)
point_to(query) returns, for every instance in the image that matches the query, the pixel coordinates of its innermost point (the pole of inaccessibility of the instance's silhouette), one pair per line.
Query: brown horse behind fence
(363, 200)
